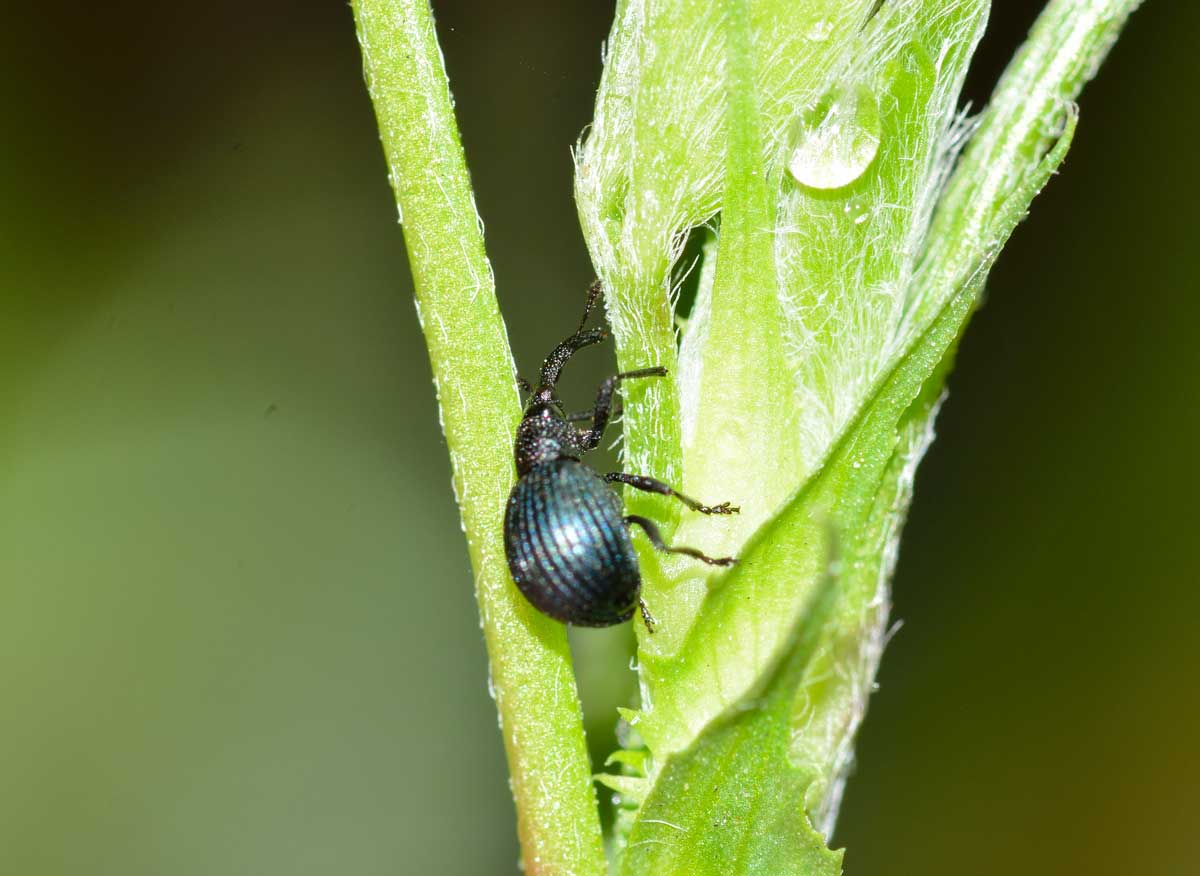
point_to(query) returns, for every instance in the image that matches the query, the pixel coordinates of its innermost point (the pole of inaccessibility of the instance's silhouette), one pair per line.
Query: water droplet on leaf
(839, 138)
(856, 211)
(820, 31)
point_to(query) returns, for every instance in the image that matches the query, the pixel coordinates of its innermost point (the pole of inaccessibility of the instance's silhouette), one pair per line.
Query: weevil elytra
(565, 533)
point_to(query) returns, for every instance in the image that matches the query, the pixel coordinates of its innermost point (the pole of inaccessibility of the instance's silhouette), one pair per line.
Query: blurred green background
(236, 621)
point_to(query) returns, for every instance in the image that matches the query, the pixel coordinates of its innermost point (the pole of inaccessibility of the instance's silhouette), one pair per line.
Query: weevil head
(544, 433)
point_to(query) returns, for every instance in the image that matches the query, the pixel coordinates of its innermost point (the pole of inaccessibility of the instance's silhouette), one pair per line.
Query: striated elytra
(565, 534)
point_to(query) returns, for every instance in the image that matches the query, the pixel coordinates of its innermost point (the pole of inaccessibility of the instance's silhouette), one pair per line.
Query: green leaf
(837, 265)
(731, 804)
(690, 673)
(704, 683)
(653, 165)
(756, 774)
(841, 528)
(856, 503)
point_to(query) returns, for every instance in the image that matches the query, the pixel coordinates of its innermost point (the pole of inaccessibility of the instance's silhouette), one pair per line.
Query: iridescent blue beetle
(565, 533)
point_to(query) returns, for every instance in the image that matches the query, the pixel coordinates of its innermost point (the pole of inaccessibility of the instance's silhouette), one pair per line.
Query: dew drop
(857, 212)
(820, 31)
(839, 138)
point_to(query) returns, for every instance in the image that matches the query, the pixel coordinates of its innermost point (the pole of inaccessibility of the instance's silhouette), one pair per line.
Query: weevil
(566, 535)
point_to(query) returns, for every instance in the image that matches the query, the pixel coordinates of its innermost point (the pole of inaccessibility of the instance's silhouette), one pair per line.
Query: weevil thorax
(544, 433)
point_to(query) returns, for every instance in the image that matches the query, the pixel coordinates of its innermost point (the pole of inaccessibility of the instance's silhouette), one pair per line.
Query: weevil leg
(589, 439)
(590, 414)
(594, 291)
(656, 539)
(647, 617)
(653, 485)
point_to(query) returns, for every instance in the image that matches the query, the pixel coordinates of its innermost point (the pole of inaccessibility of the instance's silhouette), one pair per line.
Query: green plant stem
(531, 672)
